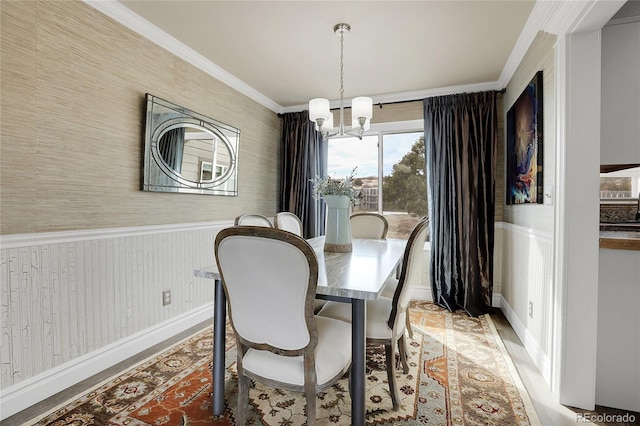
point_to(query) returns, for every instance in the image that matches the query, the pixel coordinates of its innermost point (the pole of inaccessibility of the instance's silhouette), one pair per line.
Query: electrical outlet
(166, 297)
(531, 310)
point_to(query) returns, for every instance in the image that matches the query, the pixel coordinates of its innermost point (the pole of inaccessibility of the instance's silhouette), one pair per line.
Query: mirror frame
(162, 116)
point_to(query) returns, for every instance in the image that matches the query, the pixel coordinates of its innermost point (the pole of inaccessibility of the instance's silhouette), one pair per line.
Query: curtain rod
(380, 104)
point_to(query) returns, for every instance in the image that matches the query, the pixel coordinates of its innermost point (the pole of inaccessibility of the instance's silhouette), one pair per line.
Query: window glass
(620, 195)
(404, 187)
(620, 184)
(398, 168)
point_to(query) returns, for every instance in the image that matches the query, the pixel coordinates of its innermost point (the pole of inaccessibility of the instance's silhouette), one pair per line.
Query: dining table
(352, 277)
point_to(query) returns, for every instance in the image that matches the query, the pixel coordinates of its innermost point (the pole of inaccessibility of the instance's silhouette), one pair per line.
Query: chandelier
(361, 107)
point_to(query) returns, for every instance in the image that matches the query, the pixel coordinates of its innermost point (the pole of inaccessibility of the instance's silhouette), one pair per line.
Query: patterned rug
(460, 374)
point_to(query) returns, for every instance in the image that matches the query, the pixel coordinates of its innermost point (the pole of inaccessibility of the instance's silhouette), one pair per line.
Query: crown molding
(528, 34)
(134, 22)
(556, 17)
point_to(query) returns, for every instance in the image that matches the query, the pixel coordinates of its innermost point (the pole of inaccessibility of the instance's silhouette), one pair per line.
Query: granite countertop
(620, 240)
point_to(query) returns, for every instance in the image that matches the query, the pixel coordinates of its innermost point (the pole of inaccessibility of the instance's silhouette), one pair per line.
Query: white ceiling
(285, 52)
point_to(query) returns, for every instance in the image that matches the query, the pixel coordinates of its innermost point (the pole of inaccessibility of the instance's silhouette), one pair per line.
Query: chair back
(269, 277)
(253, 220)
(289, 222)
(369, 225)
(410, 273)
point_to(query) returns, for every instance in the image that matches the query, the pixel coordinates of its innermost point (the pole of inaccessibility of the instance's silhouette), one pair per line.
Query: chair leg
(243, 399)
(390, 352)
(243, 389)
(310, 396)
(404, 354)
(408, 323)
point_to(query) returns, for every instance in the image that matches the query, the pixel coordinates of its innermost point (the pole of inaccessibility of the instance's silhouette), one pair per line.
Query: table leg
(219, 335)
(358, 361)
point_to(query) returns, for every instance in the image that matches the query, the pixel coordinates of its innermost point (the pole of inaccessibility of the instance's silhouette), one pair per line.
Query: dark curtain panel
(171, 148)
(304, 156)
(461, 142)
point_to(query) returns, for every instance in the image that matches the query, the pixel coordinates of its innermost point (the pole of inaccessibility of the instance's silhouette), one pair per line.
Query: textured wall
(72, 108)
(526, 255)
(82, 264)
(69, 295)
(540, 56)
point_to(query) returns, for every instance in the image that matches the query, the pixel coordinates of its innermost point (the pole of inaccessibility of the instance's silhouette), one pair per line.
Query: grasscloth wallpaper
(72, 109)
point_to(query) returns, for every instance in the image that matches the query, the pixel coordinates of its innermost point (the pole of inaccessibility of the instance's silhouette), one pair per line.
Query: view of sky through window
(347, 153)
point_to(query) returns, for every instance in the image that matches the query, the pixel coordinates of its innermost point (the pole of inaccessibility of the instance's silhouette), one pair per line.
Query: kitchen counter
(620, 240)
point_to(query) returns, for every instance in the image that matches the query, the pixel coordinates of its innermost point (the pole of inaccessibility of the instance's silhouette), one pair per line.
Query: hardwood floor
(23, 417)
(549, 411)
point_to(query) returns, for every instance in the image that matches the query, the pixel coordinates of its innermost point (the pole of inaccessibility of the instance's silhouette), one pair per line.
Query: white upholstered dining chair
(289, 222)
(269, 278)
(369, 225)
(253, 220)
(390, 289)
(386, 318)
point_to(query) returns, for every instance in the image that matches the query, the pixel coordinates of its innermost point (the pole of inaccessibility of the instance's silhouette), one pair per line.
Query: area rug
(460, 374)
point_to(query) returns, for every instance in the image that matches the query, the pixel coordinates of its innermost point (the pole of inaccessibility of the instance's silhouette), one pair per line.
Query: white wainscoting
(526, 262)
(75, 303)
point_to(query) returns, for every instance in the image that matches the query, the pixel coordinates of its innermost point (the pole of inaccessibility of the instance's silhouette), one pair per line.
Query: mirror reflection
(187, 152)
(195, 154)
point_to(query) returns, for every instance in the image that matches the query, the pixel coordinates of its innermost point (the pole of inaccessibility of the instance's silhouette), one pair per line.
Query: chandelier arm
(342, 130)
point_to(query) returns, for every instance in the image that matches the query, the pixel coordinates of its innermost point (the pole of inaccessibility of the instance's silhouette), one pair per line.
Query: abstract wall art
(524, 146)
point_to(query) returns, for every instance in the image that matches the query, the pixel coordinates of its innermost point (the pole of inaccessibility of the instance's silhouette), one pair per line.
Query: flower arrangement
(332, 186)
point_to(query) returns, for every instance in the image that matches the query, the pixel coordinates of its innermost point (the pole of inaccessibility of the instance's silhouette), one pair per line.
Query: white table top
(359, 274)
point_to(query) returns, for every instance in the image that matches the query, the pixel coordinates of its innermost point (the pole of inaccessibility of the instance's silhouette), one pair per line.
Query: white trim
(533, 233)
(26, 240)
(421, 292)
(407, 126)
(559, 244)
(126, 17)
(540, 359)
(527, 35)
(136, 23)
(25, 394)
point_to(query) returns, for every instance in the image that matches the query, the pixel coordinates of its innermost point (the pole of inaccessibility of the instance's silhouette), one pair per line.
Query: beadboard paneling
(526, 275)
(73, 96)
(64, 298)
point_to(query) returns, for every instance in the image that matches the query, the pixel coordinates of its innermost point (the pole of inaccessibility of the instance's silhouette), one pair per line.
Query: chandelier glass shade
(361, 107)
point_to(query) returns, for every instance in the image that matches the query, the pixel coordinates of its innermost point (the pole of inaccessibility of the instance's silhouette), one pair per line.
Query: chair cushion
(378, 312)
(333, 355)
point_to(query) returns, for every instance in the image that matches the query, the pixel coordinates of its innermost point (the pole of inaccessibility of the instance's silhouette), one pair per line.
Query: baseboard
(540, 359)
(424, 293)
(38, 388)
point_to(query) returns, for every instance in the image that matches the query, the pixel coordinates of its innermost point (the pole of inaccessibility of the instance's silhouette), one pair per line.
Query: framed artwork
(524, 146)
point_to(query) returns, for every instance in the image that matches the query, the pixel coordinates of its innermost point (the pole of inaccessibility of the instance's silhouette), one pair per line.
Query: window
(619, 195)
(620, 184)
(390, 173)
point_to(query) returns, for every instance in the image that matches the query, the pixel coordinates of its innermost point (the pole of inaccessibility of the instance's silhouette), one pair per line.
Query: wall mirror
(187, 152)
